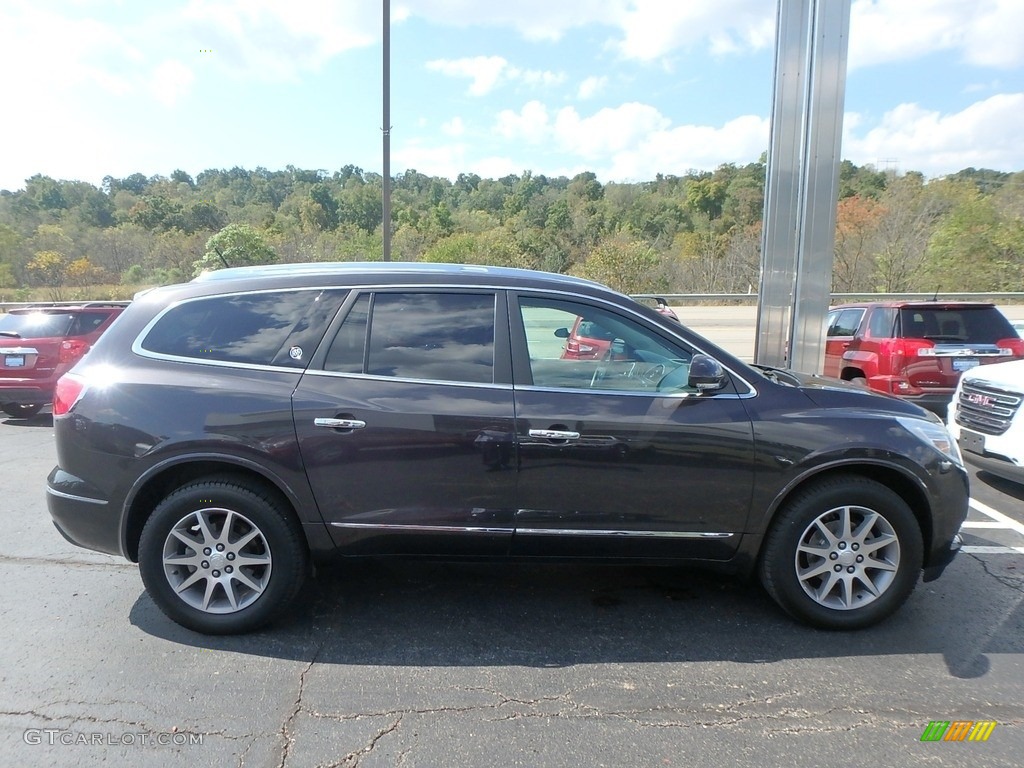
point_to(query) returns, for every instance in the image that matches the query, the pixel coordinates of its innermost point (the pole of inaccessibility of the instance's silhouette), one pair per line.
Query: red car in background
(39, 344)
(916, 350)
(588, 340)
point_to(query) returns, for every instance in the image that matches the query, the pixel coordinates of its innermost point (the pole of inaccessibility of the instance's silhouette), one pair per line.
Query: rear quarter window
(274, 328)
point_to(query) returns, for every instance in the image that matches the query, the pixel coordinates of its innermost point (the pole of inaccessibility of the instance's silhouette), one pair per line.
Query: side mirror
(562, 333)
(706, 374)
(618, 347)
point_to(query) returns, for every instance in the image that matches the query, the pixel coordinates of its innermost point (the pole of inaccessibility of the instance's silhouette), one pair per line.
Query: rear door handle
(339, 423)
(555, 434)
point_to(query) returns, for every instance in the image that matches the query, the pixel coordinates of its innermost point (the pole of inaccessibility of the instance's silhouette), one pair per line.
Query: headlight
(935, 434)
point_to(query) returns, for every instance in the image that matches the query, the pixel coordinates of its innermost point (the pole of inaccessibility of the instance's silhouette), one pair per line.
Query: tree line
(695, 233)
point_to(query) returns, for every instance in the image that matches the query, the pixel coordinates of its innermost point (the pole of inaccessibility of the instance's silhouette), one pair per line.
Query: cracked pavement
(428, 664)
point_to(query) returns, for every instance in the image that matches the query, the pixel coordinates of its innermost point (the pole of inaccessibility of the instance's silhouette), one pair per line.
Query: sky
(626, 89)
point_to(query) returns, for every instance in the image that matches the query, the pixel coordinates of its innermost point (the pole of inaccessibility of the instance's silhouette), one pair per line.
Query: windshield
(35, 325)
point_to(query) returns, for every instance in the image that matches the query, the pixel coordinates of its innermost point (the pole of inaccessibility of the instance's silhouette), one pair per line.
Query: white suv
(987, 419)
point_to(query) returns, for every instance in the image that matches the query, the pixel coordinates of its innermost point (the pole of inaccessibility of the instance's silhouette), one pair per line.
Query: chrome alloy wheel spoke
(847, 557)
(217, 561)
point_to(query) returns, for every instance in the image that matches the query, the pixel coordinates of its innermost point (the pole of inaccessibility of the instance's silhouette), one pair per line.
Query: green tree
(237, 245)
(50, 270)
(626, 265)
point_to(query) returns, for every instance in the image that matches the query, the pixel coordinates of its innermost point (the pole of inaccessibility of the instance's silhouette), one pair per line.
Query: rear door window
(433, 336)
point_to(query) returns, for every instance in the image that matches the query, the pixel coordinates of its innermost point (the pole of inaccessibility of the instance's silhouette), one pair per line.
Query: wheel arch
(903, 484)
(163, 479)
(852, 372)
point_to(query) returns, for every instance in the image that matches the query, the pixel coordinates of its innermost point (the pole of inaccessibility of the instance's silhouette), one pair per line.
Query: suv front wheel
(220, 556)
(844, 553)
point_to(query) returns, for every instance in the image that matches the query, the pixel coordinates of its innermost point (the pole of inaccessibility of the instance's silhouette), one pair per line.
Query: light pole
(386, 129)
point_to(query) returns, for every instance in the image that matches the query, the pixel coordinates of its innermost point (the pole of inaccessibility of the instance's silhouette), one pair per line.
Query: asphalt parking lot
(458, 665)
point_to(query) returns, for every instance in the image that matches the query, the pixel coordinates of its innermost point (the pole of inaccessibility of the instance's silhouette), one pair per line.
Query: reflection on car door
(405, 425)
(617, 457)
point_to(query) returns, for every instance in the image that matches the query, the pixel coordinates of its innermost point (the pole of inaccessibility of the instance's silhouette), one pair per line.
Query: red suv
(589, 341)
(916, 350)
(39, 344)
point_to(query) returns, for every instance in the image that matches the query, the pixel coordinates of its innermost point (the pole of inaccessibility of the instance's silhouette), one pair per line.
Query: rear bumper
(27, 395)
(81, 515)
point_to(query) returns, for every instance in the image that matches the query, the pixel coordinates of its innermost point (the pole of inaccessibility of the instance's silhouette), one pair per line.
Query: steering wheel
(653, 375)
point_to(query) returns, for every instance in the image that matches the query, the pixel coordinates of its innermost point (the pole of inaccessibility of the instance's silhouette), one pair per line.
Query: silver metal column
(803, 182)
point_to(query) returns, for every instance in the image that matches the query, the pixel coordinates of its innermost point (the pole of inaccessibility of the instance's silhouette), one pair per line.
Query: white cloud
(488, 72)
(591, 86)
(687, 147)
(539, 20)
(171, 81)
(529, 124)
(608, 130)
(484, 71)
(984, 135)
(654, 28)
(274, 41)
(984, 32)
(448, 160)
(634, 141)
(453, 127)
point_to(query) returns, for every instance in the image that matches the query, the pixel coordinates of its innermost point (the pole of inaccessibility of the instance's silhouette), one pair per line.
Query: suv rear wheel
(843, 554)
(220, 556)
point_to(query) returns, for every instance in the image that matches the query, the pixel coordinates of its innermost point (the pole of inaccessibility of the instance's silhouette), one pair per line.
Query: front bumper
(940, 562)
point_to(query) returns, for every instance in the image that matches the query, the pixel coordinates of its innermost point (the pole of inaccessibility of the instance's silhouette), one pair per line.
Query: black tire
(807, 584)
(260, 567)
(860, 381)
(22, 410)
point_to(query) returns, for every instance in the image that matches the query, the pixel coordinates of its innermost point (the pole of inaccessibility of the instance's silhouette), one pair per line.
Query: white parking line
(1000, 521)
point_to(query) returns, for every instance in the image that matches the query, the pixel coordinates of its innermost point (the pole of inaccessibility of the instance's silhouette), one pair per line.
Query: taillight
(1014, 347)
(918, 347)
(71, 350)
(69, 388)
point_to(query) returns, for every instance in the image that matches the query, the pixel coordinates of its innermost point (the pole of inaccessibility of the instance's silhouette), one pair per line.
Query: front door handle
(555, 434)
(339, 423)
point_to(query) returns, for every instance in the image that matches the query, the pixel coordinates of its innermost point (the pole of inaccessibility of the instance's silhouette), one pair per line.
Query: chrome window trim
(403, 379)
(620, 308)
(637, 393)
(358, 288)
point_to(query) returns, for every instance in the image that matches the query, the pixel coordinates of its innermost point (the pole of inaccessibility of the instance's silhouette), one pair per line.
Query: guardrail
(1006, 297)
(5, 305)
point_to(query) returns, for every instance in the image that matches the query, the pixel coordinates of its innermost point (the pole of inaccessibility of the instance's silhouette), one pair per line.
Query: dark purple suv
(224, 432)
